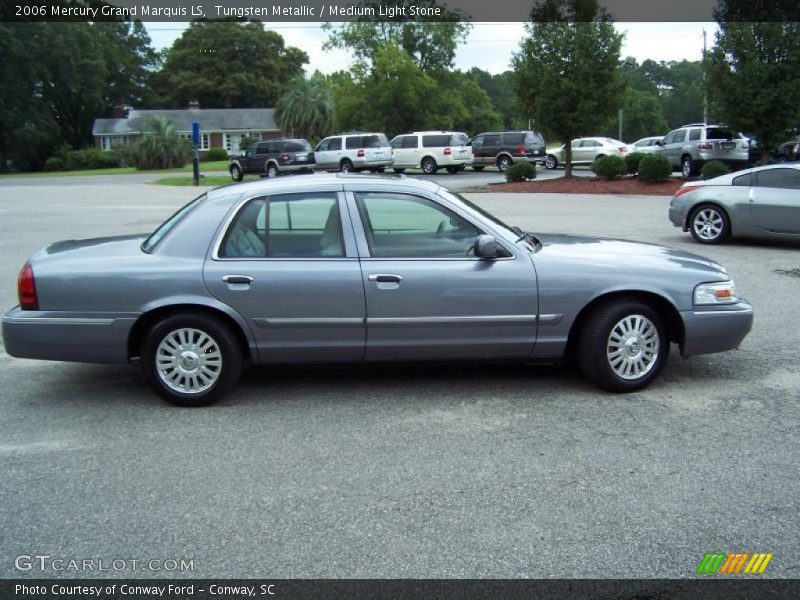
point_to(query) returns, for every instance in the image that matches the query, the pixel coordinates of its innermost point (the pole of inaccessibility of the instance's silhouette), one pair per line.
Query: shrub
(654, 168)
(159, 148)
(713, 169)
(521, 171)
(609, 167)
(54, 163)
(216, 153)
(632, 162)
(90, 158)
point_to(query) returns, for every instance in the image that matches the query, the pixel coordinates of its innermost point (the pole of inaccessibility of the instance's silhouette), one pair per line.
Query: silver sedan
(354, 269)
(763, 202)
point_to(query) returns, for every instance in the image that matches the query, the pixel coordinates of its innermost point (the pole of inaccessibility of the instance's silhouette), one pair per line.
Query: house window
(228, 142)
(107, 142)
(204, 139)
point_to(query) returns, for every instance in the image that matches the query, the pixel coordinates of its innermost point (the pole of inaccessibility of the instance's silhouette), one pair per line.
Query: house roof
(210, 119)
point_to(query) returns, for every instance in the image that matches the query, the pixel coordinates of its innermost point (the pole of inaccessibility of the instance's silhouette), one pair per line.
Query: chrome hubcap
(633, 347)
(188, 361)
(708, 224)
(687, 168)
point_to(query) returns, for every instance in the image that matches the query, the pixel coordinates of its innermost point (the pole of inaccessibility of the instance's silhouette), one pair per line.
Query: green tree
(642, 116)
(567, 73)
(306, 107)
(227, 64)
(160, 148)
(500, 89)
(430, 42)
(754, 69)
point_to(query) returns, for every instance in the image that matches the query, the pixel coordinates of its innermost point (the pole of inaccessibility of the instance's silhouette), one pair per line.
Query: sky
(489, 45)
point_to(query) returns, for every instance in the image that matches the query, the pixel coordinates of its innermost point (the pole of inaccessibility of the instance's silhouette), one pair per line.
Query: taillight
(623, 149)
(285, 157)
(705, 146)
(447, 151)
(361, 153)
(686, 190)
(745, 146)
(26, 287)
(521, 150)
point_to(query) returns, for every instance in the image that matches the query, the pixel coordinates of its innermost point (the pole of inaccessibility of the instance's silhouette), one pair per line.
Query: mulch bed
(590, 185)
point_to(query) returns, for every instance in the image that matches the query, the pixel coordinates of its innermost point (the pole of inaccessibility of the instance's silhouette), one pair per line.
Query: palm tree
(160, 147)
(306, 107)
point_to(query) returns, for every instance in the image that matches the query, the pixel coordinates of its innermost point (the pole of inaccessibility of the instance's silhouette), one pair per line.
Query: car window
(718, 133)
(335, 144)
(671, 137)
(513, 139)
(354, 141)
(323, 145)
(377, 140)
(261, 148)
(406, 226)
(576, 143)
(410, 141)
(779, 178)
(459, 139)
(534, 137)
(742, 180)
(296, 146)
(492, 140)
(590, 144)
(435, 141)
(305, 225)
(162, 230)
(694, 134)
(477, 142)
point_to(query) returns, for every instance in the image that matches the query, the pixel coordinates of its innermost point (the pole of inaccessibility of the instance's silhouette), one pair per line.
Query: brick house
(219, 127)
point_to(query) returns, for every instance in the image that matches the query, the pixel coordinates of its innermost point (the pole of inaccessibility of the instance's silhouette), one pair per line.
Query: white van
(430, 150)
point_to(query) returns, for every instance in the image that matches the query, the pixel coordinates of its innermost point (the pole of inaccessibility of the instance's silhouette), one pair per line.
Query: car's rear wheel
(399, 171)
(429, 166)
(688, 167)
(453, 170)
(503, 163)
(709, 224)
(622, 346)
(478, 168)
(346, 166)
(272, 170)
(550, 162)
(236, 173)
(191, 359)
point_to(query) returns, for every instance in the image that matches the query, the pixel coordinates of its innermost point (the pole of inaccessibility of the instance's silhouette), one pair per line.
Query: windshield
(150, 243)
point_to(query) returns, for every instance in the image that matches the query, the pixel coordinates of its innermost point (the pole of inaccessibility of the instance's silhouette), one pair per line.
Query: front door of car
(775, 200)
(288, 265)
(491, 146)
(478, 153)
(258, 157)
(428, 296)
(328, 157)
(405, 151)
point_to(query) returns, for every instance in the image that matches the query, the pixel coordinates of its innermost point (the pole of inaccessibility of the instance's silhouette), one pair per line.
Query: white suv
(430, 150)
(353, 152)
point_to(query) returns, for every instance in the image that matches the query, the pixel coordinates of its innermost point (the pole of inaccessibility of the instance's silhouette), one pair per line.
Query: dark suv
(503, 148)
(272, 158)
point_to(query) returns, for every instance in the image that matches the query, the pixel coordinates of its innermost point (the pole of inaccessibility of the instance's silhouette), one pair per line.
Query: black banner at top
(321, 11)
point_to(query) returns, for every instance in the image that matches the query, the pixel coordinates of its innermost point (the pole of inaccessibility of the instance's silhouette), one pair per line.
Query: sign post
(196, 152)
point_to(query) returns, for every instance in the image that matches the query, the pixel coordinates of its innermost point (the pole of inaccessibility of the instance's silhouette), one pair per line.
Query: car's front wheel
(550, 162)
(503, 163)
(688, 167)
(709, 224)
(236, 173)
(346, 166)
(191, 359)
(429, 166)
(272, 170)
(622, 346)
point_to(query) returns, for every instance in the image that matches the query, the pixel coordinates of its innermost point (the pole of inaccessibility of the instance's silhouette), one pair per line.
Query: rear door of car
(775, 199)
(427, 295)
(288, 264)
(376, 147)
(405, 151)
(257, 160)
(491, 146)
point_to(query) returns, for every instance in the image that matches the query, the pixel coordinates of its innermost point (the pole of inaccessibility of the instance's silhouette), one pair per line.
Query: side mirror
(486, 246)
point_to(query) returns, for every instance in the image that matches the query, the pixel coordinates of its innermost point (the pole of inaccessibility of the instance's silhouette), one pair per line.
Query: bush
(521, 171)
(160, 148)
(216, 153)
(632, 162)
(90, 158)
(54, 163)
(654, 168)
(713, 169)
(609, 167)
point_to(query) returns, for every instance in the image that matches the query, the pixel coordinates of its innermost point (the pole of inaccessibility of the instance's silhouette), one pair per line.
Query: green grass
(204, 181)
(219, 165)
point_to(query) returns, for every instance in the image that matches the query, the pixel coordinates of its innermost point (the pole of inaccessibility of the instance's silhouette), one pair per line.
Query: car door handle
(237, 279)
(385, 278)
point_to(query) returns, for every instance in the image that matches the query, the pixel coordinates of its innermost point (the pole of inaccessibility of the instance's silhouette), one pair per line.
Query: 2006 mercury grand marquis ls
(353, 268)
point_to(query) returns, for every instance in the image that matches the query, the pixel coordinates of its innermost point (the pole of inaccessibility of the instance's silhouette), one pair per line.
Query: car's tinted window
(296, 146)
(377, 140)
(405, 226)
(335, 144)
(513, 139)
(779, 178)
(410, 141)
(717, 133)
(261, 148)
(353, 141)
(435, 141)
(742, 180)
(459, 139)
(492, 139)
(590, 144)
(306, 225)
(161, 232)
(694, 134)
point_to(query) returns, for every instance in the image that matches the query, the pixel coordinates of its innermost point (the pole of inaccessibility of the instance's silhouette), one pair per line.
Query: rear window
(717, 133)
(459, 139)
(513, 139)
(296, 146)
(375, 141)
(159, 234)
(534, 137)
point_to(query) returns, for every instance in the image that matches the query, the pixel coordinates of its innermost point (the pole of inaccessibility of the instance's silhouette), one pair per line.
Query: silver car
(689, 147)
(762, 202)
(585, 151)
(348, 268)
(648, 145)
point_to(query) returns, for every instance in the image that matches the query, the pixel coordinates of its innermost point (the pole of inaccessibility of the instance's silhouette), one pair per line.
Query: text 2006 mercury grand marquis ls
(354, 268)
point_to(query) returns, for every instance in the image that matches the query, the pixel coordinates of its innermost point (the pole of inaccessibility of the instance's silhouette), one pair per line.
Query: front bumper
(50, 335)
(716, 329)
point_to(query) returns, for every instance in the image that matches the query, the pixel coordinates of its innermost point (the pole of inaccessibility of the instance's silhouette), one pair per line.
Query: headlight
(722, 292)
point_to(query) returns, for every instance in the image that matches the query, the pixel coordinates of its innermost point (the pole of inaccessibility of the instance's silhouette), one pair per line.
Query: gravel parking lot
(405, 471)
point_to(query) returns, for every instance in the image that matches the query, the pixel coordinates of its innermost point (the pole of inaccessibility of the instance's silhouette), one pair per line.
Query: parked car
(762, 202)
(647, 145)
(785, 152)
(272, 158)
(354, 152)
(504, 148)
(586, 150)
(337, 268)
(430, 150)
(689, 147)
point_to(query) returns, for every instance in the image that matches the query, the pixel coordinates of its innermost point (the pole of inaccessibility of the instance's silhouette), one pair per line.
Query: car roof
(728, 178)
(301, 183)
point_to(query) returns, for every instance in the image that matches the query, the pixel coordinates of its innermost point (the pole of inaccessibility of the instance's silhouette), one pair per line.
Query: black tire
(429, 166)
(595, 341)
(503, 163)
(453, 170)
(346, 166)
(478, 168)
(226, 372)
(272, 170)
(688, 167)
(236, 173)
(550, 162)
(380, 170)
(709, 224)
(399, 171)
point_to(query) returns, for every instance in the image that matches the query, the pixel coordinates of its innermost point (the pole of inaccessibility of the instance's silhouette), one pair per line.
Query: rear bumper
(718, 330)
(49, 335)
(361, 163)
